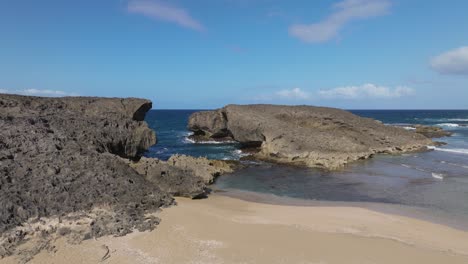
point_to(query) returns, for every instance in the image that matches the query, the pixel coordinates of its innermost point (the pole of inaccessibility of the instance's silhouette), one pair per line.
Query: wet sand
(223, 229)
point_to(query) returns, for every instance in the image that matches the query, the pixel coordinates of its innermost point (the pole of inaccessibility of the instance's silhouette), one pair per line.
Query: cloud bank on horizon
(38, 92)
(365, 91)
(368, 90)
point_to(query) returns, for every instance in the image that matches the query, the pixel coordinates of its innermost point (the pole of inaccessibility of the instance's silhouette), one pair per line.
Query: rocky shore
(74, 167)
(304, 135)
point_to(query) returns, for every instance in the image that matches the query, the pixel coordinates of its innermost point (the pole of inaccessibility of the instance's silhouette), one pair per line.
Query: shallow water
(436, 180)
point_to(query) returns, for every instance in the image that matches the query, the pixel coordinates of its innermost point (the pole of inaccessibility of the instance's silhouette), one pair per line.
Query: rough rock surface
(431, 131)
(60, 156)
(305, 135)
(202, 167)
(182, 175)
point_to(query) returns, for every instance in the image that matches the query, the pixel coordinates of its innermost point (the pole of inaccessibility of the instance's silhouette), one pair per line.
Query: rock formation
(202, 167)
(304, 135)
(431, 131)
(183, 175)
(68, 159)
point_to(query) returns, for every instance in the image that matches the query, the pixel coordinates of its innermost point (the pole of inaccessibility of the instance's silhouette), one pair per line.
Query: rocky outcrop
(202, 167)
(60, 156)
(431, 131)
(304, 135)
(183, 175)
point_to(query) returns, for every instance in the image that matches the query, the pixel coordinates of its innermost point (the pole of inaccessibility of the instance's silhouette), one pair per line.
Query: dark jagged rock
(173, 180)
(183, 175)
(431, 131)
(60, 156)
(105, 124)
(304, 135)
(202, 167)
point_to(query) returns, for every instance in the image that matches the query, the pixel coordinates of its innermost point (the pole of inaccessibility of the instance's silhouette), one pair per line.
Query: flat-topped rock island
(304, 135)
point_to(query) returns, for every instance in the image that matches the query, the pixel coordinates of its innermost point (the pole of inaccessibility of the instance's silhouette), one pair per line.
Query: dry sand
(227, 230)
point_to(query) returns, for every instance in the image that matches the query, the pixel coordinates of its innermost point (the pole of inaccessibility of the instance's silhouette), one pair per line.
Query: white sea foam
(446, 119)
(448, 125)
(437, 176)
(402, 125)
(188, 140)
(455, 150)
(240, 154)
(214, 142)
(458, 119)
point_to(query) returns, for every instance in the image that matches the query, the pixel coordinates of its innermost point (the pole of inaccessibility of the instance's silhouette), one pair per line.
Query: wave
(455, 164)
(455, 150)
(437, 176)
(448, 125)
(240, 153)
(445, 119)
(208, 142)
(188, 140)
(236, 154)
(402, 125)
(458, 119)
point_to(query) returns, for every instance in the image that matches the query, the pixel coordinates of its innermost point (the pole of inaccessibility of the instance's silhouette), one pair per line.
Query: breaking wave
(454, 150)
(448, 125)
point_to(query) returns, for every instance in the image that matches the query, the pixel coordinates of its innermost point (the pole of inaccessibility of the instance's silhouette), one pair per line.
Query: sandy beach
(221, 229)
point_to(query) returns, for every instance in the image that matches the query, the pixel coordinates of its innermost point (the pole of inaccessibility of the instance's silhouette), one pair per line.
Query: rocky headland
(73, 166)
(304, 135)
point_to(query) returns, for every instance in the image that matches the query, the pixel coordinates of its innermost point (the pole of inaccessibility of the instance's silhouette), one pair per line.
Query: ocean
(436, 180)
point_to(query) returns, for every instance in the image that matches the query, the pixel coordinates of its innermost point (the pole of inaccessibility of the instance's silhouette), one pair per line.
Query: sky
(203, 54)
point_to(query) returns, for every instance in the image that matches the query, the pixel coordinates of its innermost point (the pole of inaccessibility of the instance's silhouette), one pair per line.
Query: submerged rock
(304, 135)
(60, 156)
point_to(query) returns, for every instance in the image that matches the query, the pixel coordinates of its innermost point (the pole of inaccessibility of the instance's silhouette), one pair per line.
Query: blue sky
(207, 53)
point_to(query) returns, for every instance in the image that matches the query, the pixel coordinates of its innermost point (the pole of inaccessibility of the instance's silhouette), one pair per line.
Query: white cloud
(366, 91)
(163, 11)
(295, 93)
(344, 12)
(38, 92)
(452, 62)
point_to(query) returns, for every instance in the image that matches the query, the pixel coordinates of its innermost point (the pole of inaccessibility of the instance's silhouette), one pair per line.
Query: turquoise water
(437, 180)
